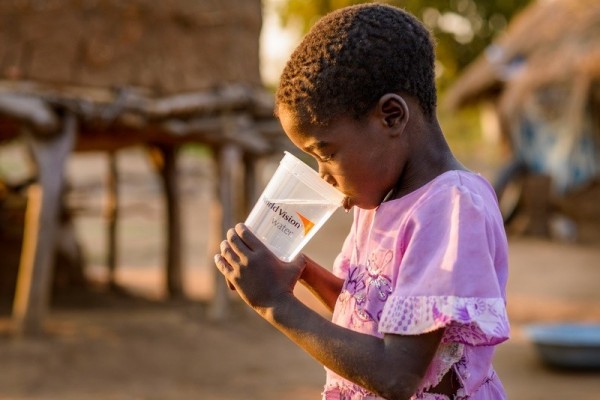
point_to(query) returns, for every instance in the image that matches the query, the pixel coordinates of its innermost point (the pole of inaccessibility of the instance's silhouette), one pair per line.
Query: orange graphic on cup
(308, 224)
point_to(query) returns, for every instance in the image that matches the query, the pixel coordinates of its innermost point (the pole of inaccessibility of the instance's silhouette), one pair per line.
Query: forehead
(292, 119)
(314, 135)
(300, 133)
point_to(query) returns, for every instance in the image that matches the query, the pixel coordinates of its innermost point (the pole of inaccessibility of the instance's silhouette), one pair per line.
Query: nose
(326, 176)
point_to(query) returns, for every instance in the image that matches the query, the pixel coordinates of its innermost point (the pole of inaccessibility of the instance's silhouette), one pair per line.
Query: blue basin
(567, 345)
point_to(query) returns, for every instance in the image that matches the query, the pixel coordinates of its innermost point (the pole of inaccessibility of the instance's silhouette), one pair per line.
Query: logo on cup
(308, 224)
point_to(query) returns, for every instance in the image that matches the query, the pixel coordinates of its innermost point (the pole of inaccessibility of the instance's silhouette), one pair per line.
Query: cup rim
(311, 178)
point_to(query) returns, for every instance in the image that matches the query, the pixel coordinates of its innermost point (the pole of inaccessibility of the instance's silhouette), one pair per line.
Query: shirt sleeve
(451, 272)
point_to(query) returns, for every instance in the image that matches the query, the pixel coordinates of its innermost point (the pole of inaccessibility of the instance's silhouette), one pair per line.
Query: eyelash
(327, 158)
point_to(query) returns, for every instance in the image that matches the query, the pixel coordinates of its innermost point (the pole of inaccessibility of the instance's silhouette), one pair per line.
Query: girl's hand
(256, 273)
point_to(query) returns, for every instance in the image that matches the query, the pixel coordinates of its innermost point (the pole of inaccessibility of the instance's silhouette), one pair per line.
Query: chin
(365, 205)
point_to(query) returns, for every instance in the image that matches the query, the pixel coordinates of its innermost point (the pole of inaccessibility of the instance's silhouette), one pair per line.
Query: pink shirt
(434, 258)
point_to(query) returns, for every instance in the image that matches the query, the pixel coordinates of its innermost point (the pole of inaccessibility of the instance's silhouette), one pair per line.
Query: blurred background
(134, 133)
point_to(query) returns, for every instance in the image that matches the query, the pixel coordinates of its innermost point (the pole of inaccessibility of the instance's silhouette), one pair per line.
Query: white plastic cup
(294, 205)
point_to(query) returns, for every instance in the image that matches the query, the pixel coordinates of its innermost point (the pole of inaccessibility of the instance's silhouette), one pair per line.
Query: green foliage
(462, 28)
(198, 149)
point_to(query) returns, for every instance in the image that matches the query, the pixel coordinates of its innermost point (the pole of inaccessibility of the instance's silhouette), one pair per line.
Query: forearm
(392, 367)
(364, 359)
(322, 283)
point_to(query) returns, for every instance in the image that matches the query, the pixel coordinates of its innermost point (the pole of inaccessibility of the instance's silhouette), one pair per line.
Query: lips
(346, 203)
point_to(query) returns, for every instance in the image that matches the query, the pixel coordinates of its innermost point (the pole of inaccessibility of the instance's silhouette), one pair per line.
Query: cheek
(368, 180)
(355, 177)
(369, 168)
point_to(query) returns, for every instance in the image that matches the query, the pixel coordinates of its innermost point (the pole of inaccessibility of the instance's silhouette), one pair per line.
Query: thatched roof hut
(169, 46)
(550, 41)
(542, 77)
(131, 65)
(106, 74)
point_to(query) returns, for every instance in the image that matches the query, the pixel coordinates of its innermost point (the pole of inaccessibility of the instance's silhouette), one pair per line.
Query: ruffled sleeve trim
(470, 320)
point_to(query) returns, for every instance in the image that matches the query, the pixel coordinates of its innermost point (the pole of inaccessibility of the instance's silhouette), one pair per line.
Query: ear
(393, 112)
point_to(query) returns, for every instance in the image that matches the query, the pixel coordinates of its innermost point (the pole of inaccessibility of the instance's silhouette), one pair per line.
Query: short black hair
(353, 56)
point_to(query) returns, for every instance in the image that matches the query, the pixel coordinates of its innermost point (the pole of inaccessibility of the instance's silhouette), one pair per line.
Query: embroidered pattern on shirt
(478, 320)
(365, 287)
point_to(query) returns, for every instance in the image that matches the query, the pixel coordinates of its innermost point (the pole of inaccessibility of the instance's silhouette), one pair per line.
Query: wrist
(278, 308)
(306, 270)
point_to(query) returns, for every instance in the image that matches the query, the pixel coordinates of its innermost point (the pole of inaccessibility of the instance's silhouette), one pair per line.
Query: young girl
(418, 290)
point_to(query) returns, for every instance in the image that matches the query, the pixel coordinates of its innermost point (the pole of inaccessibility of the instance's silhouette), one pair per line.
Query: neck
(433, 159)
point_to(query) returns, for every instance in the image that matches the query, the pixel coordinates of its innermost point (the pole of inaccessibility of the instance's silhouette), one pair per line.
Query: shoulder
(447, 188)
(464, 181)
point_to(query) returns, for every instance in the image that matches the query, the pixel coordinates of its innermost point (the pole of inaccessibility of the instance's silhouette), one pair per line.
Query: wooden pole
(229, 163)
(112, 215)
(32, 295)
(251, 187)
(165, 159)
(537, 204)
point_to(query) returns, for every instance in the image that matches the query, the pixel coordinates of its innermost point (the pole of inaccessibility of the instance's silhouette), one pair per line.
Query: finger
(224, 267)
(230, 285)
(248, 237)
(237, 243)
(229, 253)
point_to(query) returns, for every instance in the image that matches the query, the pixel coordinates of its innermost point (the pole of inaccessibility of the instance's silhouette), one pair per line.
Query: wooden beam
(32, 296)
(30, 110)
(91, 103)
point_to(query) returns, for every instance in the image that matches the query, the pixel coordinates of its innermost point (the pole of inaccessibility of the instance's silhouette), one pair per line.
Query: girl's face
(360, 158)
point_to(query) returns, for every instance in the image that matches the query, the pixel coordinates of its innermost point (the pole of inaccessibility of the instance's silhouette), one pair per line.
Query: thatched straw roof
(168, 46)
(551, 41)
(135, 71)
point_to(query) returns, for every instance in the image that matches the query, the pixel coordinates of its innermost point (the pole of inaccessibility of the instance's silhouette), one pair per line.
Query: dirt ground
(101, 345)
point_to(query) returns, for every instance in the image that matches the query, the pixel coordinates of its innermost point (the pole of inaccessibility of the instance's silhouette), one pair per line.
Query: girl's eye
(326, 158)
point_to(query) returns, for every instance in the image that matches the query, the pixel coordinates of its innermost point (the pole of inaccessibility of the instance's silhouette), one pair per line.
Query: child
(418, 290)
